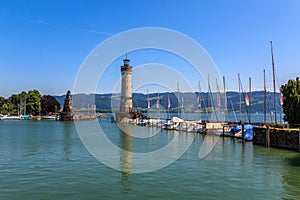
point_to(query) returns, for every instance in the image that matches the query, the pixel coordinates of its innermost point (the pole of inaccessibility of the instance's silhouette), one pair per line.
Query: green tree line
(31, 103)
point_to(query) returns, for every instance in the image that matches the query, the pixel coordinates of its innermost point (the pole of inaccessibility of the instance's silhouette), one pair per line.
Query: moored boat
(8, 117)
(248, 132)
(172, 124)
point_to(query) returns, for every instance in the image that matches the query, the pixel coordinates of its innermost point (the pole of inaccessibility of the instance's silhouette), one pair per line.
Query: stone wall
(259, 136)
(79, 117)
(279, 138)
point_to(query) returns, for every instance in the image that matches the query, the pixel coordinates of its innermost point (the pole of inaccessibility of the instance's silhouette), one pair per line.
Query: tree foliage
(291, 101)
(22, 103)
(33, 102)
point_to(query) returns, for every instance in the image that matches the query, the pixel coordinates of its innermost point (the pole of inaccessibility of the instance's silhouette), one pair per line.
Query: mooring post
(223, 131)
(267, 130)
(268, 136)
(299, 140)
(186, 127)
(243, 132)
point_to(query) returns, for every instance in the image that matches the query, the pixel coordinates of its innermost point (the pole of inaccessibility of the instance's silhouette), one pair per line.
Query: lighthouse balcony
(126, 68)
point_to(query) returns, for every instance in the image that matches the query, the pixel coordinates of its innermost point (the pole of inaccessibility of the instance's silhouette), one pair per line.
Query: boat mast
(169, 104)
(20, 110)
(280, 96)
(199, 99)
(178, 98)
(218, 101)
(148, 105)
(239, 81)
(25, 107)
(274, 85)
(225, 99)
(202, 100)
(157, 105)
(250, 99)
(209, 100)
(265, 98)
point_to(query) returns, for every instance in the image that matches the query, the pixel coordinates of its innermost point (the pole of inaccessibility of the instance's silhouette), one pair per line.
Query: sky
(44, 43)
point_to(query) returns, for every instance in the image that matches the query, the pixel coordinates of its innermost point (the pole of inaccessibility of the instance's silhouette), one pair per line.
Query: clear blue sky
(43, 43)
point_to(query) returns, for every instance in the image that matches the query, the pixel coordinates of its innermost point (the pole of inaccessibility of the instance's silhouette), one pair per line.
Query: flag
(199, 102)
(169, 103)
(94, 107)
(281, 97)
(246, 99)
(219, 100)
(148, 103)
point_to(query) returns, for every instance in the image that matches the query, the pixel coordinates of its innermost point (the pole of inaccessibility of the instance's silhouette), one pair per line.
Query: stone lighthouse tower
(126, 92)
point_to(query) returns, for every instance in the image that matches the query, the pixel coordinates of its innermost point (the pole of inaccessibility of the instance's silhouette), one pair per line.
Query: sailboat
(22, 114)
(237, 131)
(267, 104)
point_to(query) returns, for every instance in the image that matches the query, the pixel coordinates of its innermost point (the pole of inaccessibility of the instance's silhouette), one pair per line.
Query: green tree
(14, 103)
(4, 108)
(29, 103)
(18, 102)
(2, 101)
(33, 102)
(291, 101)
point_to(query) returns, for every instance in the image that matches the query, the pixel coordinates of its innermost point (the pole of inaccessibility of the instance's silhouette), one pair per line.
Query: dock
(263, 134)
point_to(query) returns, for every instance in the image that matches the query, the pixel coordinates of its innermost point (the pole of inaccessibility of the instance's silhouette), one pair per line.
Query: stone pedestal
(66, 116)
(67, 113)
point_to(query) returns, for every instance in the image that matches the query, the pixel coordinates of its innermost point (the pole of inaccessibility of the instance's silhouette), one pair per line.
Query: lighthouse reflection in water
(125, 157)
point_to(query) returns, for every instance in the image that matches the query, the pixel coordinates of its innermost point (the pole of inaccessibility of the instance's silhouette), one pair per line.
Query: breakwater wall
(76, 117)
(277, 137)
(79, 117)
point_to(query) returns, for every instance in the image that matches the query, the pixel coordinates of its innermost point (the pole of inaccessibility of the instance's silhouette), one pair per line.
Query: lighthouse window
(126, 62)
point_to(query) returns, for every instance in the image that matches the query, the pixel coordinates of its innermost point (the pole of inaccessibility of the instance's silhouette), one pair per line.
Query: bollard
(243, 132)
(223, 131)
(299, 140)
(267, 130)
(186, 127)
(268, 136)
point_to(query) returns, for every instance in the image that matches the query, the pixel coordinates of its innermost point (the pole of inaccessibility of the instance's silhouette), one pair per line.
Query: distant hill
(104, 102)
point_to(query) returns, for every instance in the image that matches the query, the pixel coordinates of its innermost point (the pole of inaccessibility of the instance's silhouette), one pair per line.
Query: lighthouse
(126, 92)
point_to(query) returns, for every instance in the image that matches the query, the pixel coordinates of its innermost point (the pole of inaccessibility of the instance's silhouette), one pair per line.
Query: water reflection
(210, 140)
(68, 130)
(125, 158)
(294, 161)
(291, 177)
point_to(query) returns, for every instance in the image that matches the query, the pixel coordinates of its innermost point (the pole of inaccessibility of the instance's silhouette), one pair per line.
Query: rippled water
(46, 160)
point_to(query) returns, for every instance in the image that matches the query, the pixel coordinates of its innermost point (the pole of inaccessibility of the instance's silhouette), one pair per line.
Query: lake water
(47, 160)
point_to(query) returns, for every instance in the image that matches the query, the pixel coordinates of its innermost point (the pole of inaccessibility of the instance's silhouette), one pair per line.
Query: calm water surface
(46, 160)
